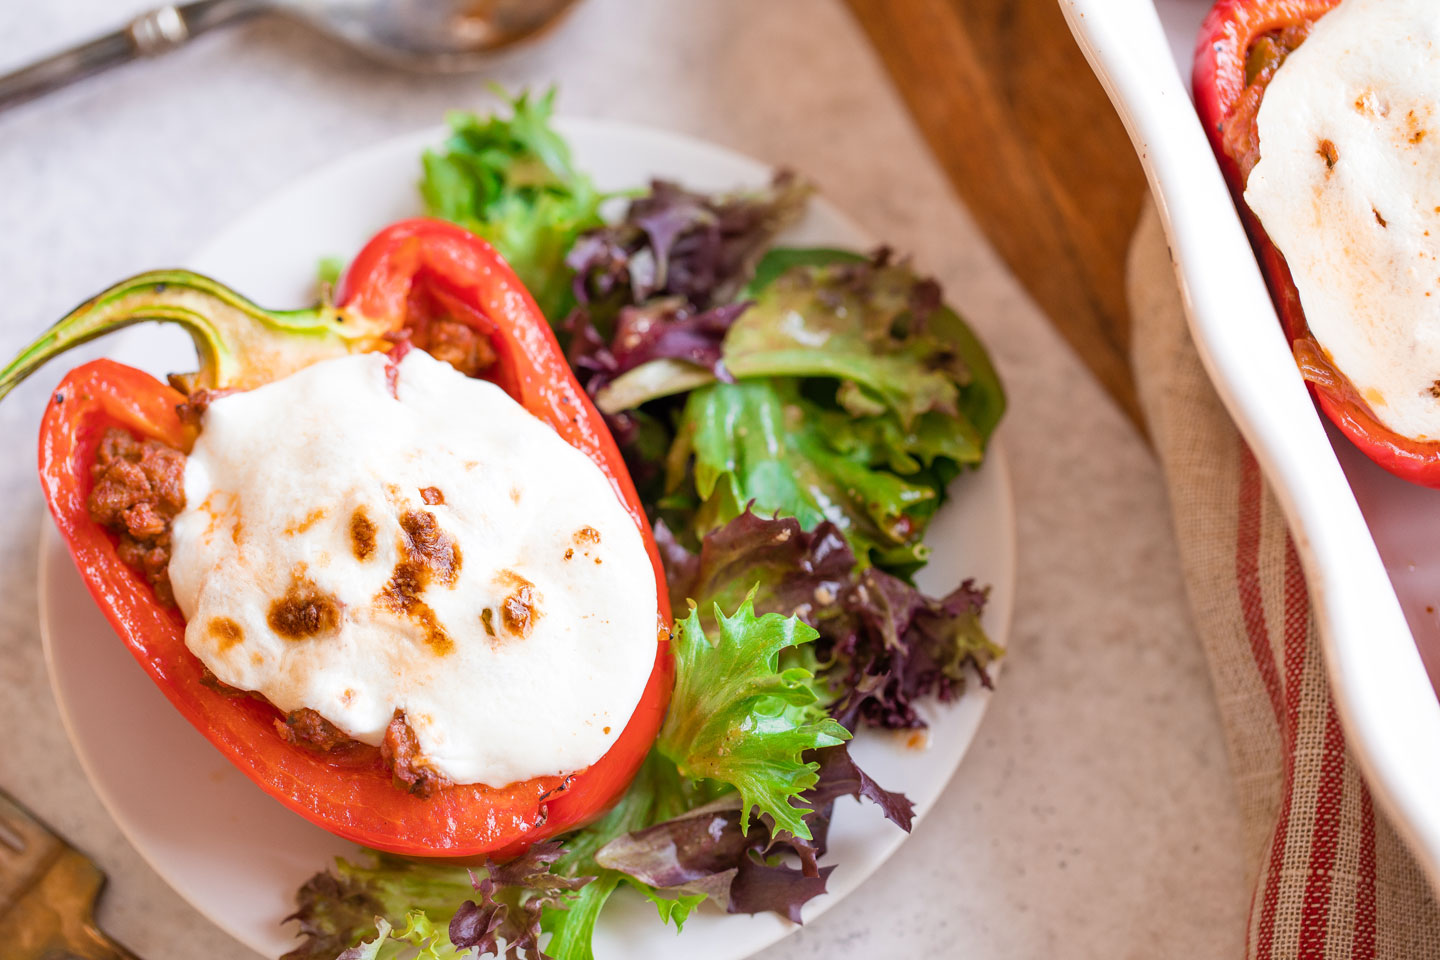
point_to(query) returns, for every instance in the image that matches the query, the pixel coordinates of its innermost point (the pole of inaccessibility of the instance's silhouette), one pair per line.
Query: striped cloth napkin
(1326, 875)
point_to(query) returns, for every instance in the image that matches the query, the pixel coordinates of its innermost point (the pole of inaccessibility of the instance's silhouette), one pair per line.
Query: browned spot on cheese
(606, 731)
(236, 532)
(207, 507)
(310, 519)
(1414, 128)
(304, 611)
(1329, 153)
(226, 632)
(406, 583)
(1379, 219)
(428, 546)
(435, 635)
(362, 534)
(520, 610)
(427, 554)
(1373, 397)
(509, 578)
(1435, 389)
(587, 535)
(487, 620)
(432, 495)
(569, 552)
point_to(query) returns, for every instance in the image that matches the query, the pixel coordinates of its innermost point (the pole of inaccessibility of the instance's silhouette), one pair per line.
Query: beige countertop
(1094, 816)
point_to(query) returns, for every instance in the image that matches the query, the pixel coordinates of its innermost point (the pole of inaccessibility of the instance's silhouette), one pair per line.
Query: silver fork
(47, 894)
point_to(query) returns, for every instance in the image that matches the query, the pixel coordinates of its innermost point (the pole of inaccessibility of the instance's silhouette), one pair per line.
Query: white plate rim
(998, 616)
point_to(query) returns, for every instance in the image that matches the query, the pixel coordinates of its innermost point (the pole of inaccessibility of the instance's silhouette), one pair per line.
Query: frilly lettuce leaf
(511, 180)
(396, 907)
(706, 852)
(740, 718)
(656, 794)
(698, 248)
(369, 949)
(883, 645)
(658, 289)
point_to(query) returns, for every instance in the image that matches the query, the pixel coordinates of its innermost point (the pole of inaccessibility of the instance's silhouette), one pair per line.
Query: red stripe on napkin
(1247, 569)
(1363, 946)
(1330, 877)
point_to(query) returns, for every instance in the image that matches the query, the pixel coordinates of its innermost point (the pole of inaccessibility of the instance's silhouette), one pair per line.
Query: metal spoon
(429, 35)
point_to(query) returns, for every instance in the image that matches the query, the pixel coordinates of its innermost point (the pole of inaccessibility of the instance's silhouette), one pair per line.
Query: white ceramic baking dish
(1370, 543)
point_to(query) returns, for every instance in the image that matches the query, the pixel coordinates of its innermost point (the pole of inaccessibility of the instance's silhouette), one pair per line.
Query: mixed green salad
(792, 418)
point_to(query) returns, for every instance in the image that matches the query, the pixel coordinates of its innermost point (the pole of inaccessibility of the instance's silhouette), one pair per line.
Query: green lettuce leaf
(338, 909)
(880, 330)
(656, 794)
(740, 718)
(778, 260)
(386, 907)
(369, 949)
(762, 442)
(511, 180)
(871, 324)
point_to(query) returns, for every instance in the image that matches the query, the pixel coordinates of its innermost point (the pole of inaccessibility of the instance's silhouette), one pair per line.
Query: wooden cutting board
(1033, 147)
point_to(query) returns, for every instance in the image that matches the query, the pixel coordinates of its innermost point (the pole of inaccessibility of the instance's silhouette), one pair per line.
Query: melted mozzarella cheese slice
(438, 551)
(1348, 188)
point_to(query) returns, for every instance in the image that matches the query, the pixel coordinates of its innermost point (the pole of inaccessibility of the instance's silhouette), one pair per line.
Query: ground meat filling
(196, 402)
(455, 343)
(306, 728)
(139, 488)
(401, 752)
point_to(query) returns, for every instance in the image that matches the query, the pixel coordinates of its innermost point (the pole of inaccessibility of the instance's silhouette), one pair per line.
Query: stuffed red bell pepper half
(383, 553)
(1325, 116)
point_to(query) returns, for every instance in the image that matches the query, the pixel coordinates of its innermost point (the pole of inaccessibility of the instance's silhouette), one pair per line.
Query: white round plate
(237, 855)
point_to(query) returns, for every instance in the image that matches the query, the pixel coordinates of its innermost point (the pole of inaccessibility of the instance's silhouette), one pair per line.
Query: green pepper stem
(240, 345)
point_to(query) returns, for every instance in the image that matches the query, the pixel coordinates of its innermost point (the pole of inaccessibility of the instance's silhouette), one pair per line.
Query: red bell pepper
(409, 270)
(1242, 43)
